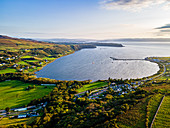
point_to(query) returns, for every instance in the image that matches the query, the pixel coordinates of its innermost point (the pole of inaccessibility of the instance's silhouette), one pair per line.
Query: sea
(95, 63)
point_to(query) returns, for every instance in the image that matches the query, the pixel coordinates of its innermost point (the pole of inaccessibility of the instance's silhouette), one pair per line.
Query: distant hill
(6, 41)
(139, 40)
(108, 44)
(65, 40)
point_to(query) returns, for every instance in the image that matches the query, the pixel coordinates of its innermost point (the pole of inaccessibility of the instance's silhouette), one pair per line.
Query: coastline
(158, 73)
(51, 62)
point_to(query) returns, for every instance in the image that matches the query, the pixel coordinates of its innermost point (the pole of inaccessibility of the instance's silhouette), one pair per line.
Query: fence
(157, 111)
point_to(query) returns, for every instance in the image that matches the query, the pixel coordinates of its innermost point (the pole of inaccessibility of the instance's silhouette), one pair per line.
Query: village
(23, 61)
(122, 89)
(22, 112)
(118, 89)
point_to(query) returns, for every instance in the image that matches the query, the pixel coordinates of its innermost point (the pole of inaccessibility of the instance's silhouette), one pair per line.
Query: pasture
(163, 117)
(92, 86)
(14, 94)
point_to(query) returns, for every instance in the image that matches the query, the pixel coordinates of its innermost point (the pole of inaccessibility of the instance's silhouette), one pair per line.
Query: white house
(22, 116)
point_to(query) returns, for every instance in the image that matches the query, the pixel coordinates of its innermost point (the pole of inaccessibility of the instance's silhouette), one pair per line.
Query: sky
(85, 19)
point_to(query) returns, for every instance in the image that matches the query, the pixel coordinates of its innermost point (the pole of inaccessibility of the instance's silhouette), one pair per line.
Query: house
(21, 70)
(22, 116)
(48, 84)
(27, 67)
(156, 60)
(33, 114)
(32, 66)
(112, 84)
(15, 65)
(133, 83)
(44, 104)
(20, 109)
(31, 107)
(8, 58)
(135, 86)
(119, 89)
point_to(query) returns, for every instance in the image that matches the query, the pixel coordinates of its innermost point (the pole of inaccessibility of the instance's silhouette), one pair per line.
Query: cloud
(163, 30)
(132, 4)
(164, 27)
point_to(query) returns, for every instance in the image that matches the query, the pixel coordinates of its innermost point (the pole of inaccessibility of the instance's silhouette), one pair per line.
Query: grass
(153, 106)
(27, 57)
(134, 118)
(32, 60)
(8, 70)
(92, 86)
(161, 88)
(6, 121)
(49, 59)
(22, 63)
(163, 117)
(164, 78)
(13, 93)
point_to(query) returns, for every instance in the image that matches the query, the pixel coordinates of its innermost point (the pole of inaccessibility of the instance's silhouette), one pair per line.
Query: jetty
(126, 59)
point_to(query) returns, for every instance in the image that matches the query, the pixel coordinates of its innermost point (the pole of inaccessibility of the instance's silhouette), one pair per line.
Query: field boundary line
(157, 112)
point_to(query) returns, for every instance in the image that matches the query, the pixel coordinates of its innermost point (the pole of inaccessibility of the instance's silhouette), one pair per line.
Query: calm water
(96, 64)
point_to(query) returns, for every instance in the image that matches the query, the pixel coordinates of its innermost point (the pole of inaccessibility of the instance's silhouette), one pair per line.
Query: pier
(125, 59)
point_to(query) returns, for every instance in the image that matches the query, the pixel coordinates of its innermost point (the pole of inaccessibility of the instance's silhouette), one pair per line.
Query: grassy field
(32, 60)
(22, 63)
(27, 57)
(134, 118)
(92, 86)
(48, 58)
(6, 121)
(8, 70)
(163, 117)
(13, 93)
(153, 106)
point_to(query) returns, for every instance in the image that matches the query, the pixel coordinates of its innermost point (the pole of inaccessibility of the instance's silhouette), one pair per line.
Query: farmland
(163, 117)
(14, 93)
(27, 56)
(92, 86)
(113, 102)
(152, 107)
(135, 117)
(8, 70)
(6, 121)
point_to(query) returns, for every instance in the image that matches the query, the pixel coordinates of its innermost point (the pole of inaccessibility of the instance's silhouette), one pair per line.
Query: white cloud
(133, 5)
(164, 27)
(163, 30)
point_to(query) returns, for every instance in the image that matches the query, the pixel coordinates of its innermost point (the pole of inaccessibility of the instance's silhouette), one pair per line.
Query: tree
(45, 110)
(109, 97)
(7, 109)
(34, 86)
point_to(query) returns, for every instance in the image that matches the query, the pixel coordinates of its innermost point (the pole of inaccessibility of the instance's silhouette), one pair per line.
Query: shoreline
(51, 62)
(136, 79)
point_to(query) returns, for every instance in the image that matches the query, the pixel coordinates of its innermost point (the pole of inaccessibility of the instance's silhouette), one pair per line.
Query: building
(22, 116)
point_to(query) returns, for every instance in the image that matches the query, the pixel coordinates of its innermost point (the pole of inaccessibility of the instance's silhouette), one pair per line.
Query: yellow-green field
(153, 106)
(6, 121)
(8, 70)
(162, 119)
(92, 86)
(14, 94)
